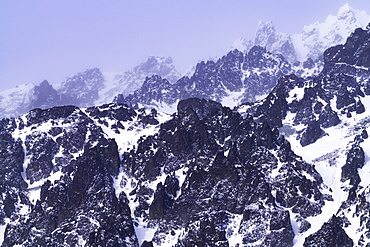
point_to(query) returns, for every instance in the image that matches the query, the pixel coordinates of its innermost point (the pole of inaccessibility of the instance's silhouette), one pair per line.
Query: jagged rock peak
(127, 82)
(349, 13)
(267, 36)
(154, 65)
(89, 78)
(44, 96)
(87, 88)
(44, 84)
(82, 89)
(162, 66)
(265, 32)
(233, 78)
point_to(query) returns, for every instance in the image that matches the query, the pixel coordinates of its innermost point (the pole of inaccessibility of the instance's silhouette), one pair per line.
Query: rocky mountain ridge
(248, 76)
(312, 42)
(234, 78)
(289, 170)
(131, 80)
(88, 88)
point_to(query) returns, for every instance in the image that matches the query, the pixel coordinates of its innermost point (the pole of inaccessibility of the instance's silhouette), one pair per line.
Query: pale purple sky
(55, 39)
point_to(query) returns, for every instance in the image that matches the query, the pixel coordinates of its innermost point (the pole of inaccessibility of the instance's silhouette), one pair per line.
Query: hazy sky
(53, 39)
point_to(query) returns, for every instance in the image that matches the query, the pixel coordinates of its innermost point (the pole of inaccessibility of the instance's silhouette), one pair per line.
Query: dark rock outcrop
(330, 234)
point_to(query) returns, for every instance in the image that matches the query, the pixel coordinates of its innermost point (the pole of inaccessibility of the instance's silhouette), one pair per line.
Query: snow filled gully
(329, 154)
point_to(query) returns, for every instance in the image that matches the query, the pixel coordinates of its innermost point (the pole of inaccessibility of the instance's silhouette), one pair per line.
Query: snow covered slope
(289, 170)
(341, 158)
(15, 101)
(58, 175)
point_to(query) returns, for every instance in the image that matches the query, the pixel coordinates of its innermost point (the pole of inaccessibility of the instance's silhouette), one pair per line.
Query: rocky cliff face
(224, 179)
(59, 169)
(318, 101)
(205, 176)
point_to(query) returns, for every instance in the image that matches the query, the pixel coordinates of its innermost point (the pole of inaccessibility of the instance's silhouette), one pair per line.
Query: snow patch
(295, 94)
(144, 233)
(232, 231)
(233, 99)
(364, 172)
(181, 176)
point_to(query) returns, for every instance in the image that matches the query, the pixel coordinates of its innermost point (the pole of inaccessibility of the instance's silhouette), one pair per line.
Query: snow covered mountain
(313, 40)
(88, 88)
(232, 79)
(131, 80)
(18, 100)
(247, 76)
(317, 37)
(82, 89)
(289, 170)
(93, 87)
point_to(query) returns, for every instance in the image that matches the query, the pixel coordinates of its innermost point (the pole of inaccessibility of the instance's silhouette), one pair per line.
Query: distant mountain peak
(267, 36)
(319, 36)
(266, 33)
(44, 83)
(129, 81)
(266, 25)
(314, 39)
(345, 8)
(349, 13)
(160, 65)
